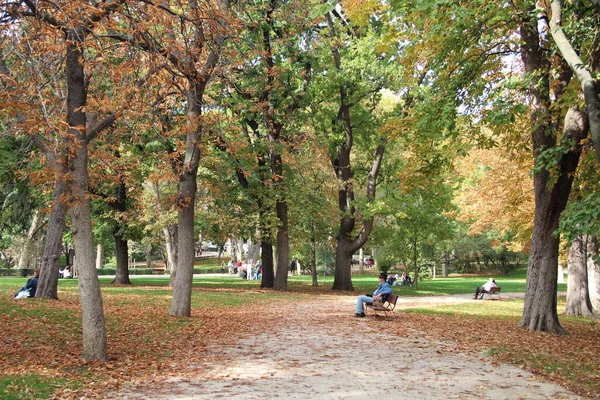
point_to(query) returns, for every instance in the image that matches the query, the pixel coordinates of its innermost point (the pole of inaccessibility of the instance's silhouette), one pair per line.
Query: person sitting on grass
(485, 288)
(30, 287)
(379, 294)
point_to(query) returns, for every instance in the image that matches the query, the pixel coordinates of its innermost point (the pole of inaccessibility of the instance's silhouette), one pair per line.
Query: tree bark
(169, 234)
(31, 240)
(186, 200)
(445, 264)
(253, 251)
(94, 330)
(540, 312)
(551, 192)
(121, 246)
(99, 256)
(283, 248)
(268, 275)
(313, 261)
(122, 257)
(578, 299)
(593, 273)
(48, 280)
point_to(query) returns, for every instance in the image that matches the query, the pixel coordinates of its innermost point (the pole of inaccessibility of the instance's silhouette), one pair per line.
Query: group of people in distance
(403, 280)
(248, 270)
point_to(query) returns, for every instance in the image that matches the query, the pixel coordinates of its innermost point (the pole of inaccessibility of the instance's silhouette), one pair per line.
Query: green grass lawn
(513, 282)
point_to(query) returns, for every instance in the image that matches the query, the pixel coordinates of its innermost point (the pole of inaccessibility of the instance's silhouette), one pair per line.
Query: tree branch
(584, 76)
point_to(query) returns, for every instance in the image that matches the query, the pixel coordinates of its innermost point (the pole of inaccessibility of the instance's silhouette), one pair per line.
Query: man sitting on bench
(379, 294)
(485, 288)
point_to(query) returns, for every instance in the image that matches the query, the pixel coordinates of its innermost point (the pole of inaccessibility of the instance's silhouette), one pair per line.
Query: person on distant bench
(485, 288)
(65, 273)
(380, 293)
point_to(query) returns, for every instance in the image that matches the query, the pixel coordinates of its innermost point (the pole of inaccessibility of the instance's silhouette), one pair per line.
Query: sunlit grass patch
(16, 387)
(486, 309)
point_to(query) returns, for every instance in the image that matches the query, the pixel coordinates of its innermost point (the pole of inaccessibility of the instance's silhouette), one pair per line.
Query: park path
(318, 350)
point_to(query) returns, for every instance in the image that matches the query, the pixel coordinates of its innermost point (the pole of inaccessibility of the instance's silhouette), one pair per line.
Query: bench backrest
(391, 300)
(495, 289)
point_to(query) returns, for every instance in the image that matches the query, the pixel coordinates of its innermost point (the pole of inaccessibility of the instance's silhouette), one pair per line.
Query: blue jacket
(384, 288)
(32, 285)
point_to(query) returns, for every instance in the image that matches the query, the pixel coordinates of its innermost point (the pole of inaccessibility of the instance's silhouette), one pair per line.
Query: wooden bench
(495, 291)
(385, 307)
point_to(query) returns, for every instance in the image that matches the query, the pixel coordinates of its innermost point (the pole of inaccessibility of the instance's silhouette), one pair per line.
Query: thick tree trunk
(122, 256)
(237, 245)
(182, 289)
(31, 240)
(268, 275)
(121, 247)
(283, 248)
(186, 201)
(48, 281)
(253, 251)
(94, 330)
(578, 299)
(540, 312)
(551, 192)
(593, 273)
(343, 265)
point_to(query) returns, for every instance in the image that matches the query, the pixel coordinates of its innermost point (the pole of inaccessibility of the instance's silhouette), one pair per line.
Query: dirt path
(320, 351)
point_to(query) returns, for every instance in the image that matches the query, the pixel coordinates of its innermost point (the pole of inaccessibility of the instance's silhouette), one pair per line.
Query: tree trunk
(48, 280)
(361, 260)
(121, 247)
(94, 330)
(169, 234)
(186, 201)
(99, 256)
(346, 244)
(343, 265)
(237, 246)
(253, 251)
(593, 273)
(283, 248)
(578, 299)
(122, 256)
(30, 241)
(551, 192)
(313, 262)
(268, 275)
(148, 256)
(540, 312)
(445, 264)
(415, 263)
